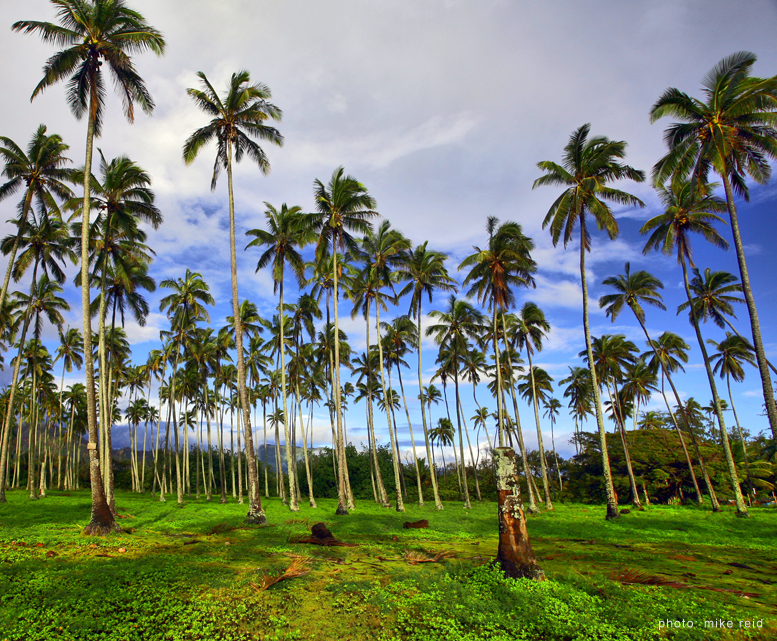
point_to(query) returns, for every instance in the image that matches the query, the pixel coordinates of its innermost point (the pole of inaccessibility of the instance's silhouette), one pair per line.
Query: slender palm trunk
(290, 464)
(732, 470)
(612, 499)
(435, 490)
(471, 454)
(760, 355)
(664, 372)
(741, 440)
(383, 499)
(12, 258)
(736, 331)
(412, 440)
(394, 448)
(500, 408)
(344, 500)
(255, 512)
(543, 462)
(467, 504)
(618, 412)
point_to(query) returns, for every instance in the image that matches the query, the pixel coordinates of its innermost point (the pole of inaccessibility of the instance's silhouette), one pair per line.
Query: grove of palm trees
(394, 381)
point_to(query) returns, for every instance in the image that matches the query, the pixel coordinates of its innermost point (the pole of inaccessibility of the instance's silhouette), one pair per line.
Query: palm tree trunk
(437, 501)
(467, 504)
(383, 499)
(255, 514)
(500, 408)
(612, 499)
(12, 258)
(618, 411)
(289, 463)
(741, 439)
(412, 440)
(732, 470)
(344, 500)
(394, 448)
(543, 462)
(736, 331)
(471, 454)
(760, 355)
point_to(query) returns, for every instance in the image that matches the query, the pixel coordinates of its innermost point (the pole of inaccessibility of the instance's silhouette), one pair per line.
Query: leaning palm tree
(586, 169)
(283, 235)
(237, 118)
(342, 206)
(689, 208)
(93, 31)
(732, 353)
(43, 173)
(733, 132)
(634, 290)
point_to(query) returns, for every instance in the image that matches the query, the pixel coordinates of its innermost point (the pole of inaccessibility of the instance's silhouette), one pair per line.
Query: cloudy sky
(442, 109)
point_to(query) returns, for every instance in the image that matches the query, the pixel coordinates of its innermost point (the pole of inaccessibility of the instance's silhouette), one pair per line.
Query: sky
(442, 109)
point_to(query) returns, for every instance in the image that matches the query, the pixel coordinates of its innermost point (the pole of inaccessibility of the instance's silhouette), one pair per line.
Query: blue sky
(442, 110)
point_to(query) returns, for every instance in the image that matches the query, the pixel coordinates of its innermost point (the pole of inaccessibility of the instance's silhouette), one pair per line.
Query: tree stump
(515, 555)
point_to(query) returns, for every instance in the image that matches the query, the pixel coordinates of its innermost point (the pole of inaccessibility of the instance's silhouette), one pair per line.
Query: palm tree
(455, 326)
(634, 290)
(733, 352)
(71, 351)
(529, 328)
(283, 235)
(689, 208)
(552, 408)
(587, 166)
(424, 269)
(444, 435)
(237, 118)
(41, 170)
(732, 133)
(94, 31)
(579, 391)
(505, 263)
(713, 298)
(343, 206)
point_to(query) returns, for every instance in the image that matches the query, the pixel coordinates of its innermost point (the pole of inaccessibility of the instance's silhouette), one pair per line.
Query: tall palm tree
(504, 264)
(732, 132)
(93, 32)
(342, 206)
(635, 290)
(580, 394)
(732, 353)
(689, 208)
(552, 409)
(284, 233)
(529, 328)
(455, 327)
(237, 118)
(43, 173)
(424, 270)
(586, 169)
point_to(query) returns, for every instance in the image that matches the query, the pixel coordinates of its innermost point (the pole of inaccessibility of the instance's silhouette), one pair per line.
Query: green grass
(176, 580)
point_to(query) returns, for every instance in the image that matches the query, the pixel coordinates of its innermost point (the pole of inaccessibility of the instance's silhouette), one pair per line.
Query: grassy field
(194, 572)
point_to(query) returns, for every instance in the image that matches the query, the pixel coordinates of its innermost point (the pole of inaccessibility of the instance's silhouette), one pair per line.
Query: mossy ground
(192, 571)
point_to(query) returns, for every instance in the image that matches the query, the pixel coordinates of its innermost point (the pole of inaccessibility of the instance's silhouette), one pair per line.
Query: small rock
(625, 510)
(729, 572)
(122, 549)
(39, 545)
(227, 543)
(50, 554)
(93, 545)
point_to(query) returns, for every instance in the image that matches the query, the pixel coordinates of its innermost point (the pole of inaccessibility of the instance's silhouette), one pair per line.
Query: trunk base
(341, 511)
(255, 516)
(742, 515)
(313, 504)
(612, 513)
(520, 571)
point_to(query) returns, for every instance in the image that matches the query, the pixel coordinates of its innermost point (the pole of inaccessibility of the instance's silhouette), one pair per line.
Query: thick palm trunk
(760, 355)
(612, 499)
(102, 520)
(500, 407)
(435, 490)
(543, 462)
(732, 470)
(255, 512)
(394, 448)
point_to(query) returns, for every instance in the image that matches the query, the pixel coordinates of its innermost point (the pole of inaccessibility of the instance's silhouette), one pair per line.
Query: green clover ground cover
(194, 572)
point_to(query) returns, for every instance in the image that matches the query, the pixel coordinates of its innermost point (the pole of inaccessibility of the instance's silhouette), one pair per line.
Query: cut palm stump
(320, 536)
(515, 555)
(416, 525)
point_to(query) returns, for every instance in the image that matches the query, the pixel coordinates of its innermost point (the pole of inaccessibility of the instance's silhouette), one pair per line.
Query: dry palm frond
(635, 577)
(421, 557)
(299, 566)
(220, 528)
(304, 522)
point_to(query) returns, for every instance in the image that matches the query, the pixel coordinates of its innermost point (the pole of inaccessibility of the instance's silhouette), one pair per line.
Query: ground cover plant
(197, 572)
